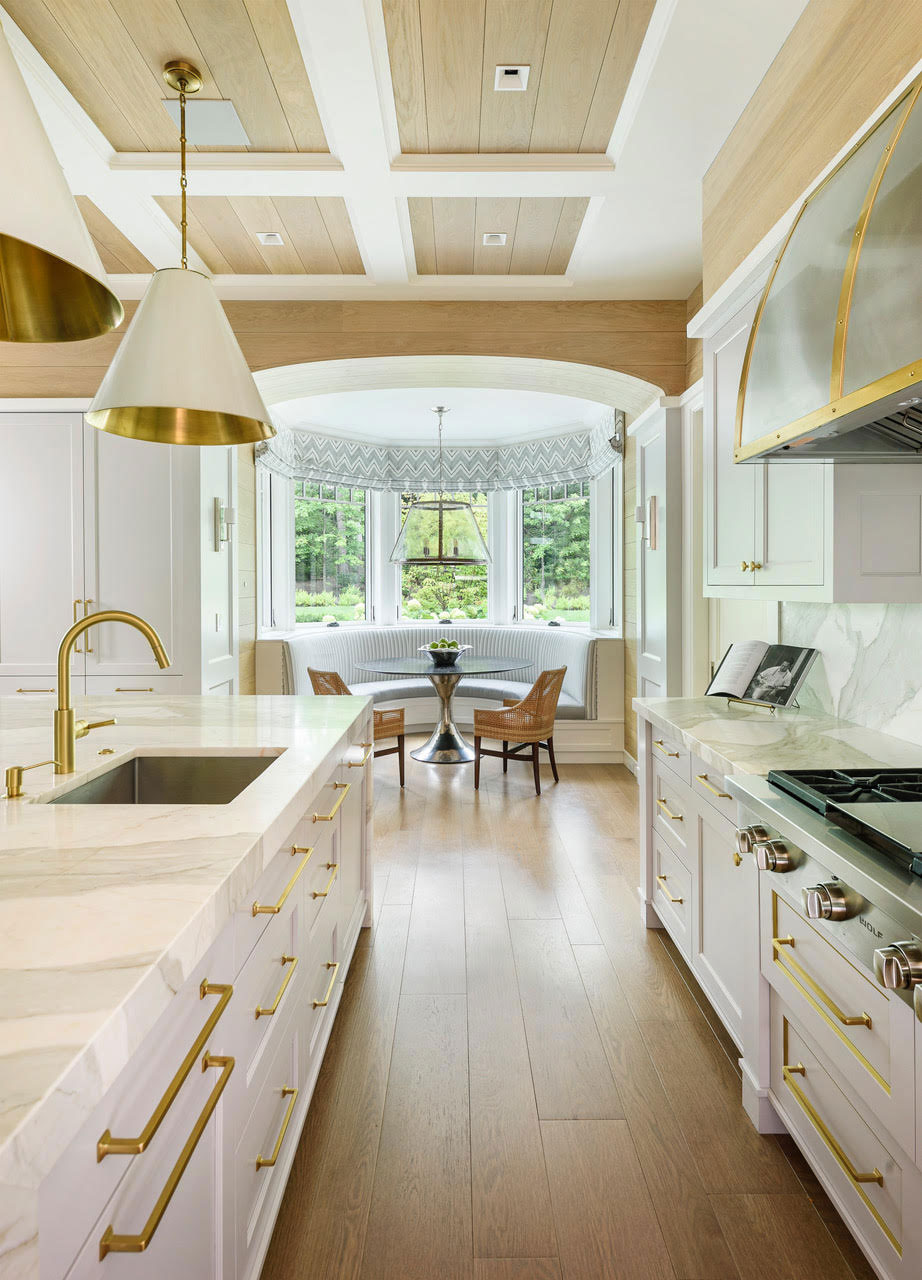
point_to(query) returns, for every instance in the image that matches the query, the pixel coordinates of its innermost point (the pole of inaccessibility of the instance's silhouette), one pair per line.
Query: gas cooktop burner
(881, 806)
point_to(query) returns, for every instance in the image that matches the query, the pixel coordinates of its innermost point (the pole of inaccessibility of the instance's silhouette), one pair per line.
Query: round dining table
(446, 745)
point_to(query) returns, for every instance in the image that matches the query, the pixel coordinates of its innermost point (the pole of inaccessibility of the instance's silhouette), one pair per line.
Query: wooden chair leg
(505, 757)
(536, 767)
(401, 763)
(550, 752)
(476, 764)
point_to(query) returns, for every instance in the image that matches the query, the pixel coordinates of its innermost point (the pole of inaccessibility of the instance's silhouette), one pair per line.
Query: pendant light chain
(183, 182)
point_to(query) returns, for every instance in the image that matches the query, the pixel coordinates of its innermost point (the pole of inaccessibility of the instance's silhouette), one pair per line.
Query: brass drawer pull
(148, 690)
(259, 909)
(658, 742)
(112, 1243)
(331, 866)
(77, 604)
(267, 1013)
(109, 1146)
(843, 1160)
(847, 1020)
(263, 1162)
(328, 817)
(676, 817)
(360, 764)
(86, 614)
(721, 795)
(662, 883)
(35, 690)
(322, 1004)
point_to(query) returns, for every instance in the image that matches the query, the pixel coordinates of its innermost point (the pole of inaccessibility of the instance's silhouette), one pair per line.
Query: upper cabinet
(799, 531)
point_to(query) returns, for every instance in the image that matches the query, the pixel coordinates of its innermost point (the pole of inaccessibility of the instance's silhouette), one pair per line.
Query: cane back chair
(528, 722)
(387, 724)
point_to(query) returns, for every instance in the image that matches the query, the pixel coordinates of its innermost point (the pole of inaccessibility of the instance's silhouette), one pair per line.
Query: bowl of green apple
(444, 653)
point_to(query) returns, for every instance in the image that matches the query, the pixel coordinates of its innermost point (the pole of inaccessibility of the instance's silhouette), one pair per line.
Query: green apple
(452, 644)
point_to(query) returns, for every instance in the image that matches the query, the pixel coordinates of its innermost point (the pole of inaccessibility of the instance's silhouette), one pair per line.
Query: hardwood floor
(522, 1082)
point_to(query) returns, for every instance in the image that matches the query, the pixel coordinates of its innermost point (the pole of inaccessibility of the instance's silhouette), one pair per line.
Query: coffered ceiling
(380, 151)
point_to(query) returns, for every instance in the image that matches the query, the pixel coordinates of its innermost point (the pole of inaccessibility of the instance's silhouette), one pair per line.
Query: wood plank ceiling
(540, 233)
(110, 54)
(444, 56)
(117, 252)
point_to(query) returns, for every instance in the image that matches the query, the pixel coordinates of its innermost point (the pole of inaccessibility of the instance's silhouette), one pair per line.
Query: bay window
(329, 552)
(431, 590)
(555, 548)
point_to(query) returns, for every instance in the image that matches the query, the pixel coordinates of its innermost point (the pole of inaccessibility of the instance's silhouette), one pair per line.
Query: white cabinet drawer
(865, 1032)
(671, 752)
(321, 991)
(673, 810)
(132, 686)
(33, 687)
(672, 895)
(707, 784)
(726, 944)
(856, 1161)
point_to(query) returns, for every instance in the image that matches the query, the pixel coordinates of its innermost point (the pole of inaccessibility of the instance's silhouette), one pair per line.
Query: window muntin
(429, 591)
(555, 552)
(330, 573)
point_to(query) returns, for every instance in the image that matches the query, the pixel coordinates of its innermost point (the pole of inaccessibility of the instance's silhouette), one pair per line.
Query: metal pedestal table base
(445, 744)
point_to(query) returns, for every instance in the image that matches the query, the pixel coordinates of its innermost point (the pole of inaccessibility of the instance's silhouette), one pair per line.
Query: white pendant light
(179, 376)
(52, 284)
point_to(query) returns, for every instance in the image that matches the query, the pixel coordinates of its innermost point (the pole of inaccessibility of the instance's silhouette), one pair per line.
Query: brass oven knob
(899, 966)
(829, 902)
(748, 837)
(773, 855)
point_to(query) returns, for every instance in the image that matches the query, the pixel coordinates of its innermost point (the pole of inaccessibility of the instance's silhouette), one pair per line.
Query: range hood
(833, 368)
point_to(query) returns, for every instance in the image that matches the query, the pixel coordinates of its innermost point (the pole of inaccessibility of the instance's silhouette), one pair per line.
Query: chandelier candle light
(442, 530)
(179, 376)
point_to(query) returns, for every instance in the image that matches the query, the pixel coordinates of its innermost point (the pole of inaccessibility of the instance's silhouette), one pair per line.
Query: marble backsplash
(870, 664)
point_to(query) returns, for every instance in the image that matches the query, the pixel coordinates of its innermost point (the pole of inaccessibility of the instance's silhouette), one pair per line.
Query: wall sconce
(224, 520)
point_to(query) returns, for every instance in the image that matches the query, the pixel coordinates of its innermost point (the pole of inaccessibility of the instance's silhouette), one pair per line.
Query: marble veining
(105, 910)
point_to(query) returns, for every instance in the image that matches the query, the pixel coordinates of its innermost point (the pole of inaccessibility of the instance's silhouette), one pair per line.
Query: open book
(762, 672)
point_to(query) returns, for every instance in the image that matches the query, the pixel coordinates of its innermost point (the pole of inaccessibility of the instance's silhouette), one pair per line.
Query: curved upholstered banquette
(342, 648)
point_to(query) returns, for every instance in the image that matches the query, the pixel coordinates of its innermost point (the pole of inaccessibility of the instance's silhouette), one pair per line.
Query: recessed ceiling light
(269, 237)
(210, 122)
(509, 79)
(494, 237)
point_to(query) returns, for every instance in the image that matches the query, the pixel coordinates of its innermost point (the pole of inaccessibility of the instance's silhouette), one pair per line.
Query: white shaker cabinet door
(793, 506)
(133, 548)
(731, 490)
(41, 531)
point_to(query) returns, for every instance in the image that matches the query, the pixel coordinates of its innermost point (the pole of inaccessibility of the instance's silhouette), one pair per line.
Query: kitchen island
(129, 932)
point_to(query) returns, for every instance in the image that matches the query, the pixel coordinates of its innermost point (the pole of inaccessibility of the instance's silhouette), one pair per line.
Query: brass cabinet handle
(360, 764)
(756, 564)
(264, 1162)
(112, 1243)
(737, 860)
(267, 1013)
(77, 604)
(676, 817)
(322, 1004)
(788, 1072)
(109, 1146)
(658, 742)
(86, 614)
(35, 690)
(721, 795)
(331, 866)
(662, 882)
(847, 1020)
(744, 565)
(118, 690)
(259, 909)
(328, 817)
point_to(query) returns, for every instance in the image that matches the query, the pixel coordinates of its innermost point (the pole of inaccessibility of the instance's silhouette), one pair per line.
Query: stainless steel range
(848, 844)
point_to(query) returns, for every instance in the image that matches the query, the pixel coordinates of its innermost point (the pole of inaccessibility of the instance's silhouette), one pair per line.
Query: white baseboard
(629, 762)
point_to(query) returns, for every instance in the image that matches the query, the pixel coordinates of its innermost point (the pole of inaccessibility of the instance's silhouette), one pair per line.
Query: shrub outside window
(431, 591)
(329, 552)
(555, 552)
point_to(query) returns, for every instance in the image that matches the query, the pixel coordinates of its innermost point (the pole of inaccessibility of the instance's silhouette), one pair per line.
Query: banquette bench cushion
(342, 648)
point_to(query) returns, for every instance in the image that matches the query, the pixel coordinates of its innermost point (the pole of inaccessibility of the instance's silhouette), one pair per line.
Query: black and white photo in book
(757, 672)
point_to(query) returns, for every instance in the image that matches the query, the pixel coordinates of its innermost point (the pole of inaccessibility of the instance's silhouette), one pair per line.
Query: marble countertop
(740, 739)
(105, 910)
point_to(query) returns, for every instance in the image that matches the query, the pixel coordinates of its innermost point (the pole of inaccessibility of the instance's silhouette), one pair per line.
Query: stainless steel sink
(170, 780)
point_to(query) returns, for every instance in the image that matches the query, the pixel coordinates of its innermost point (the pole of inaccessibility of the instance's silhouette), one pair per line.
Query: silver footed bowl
(444, 657)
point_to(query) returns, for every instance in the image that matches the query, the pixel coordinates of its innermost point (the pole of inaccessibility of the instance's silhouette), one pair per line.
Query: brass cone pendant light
(442, 530)
(52, 284)
(179, 376)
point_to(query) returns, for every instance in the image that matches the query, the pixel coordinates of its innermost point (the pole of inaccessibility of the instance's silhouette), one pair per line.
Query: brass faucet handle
(13, 777)
(83, 727)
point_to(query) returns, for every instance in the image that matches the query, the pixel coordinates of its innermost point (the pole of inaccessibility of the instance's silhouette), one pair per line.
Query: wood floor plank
(517, 1269)
(419, 1225)
(509, 1192)
(704, 1093)
(606, 1225)
(435, 962)
(693, 1237)
(570, 1071)
(779, 1237)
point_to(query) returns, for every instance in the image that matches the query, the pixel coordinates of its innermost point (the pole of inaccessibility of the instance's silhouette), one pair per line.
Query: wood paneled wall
(841, 60)
(645, 339)
(694, 355)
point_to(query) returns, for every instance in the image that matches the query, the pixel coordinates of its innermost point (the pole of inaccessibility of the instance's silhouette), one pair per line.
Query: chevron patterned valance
(304, 454)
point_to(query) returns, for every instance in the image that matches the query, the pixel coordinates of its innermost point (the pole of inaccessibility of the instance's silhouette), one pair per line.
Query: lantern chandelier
(179, 376)
(441, 530)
